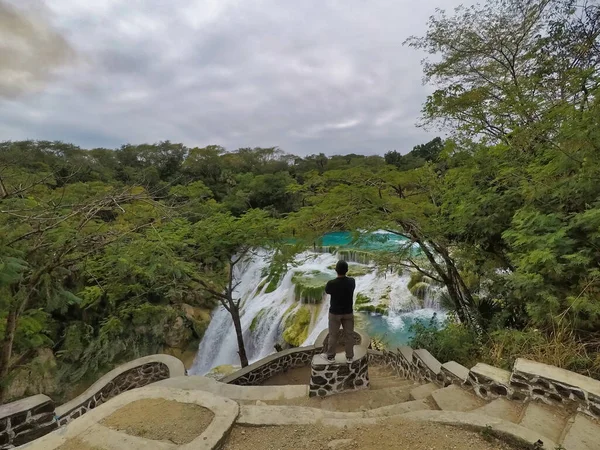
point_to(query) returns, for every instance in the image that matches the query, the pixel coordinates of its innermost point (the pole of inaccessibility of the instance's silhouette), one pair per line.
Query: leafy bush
(453, 342)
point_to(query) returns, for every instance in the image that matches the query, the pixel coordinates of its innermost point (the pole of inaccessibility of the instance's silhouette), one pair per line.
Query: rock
(340, 443)
(177, 334)
(198, 317)
(216, 373)
(259, 403)
(38, 378)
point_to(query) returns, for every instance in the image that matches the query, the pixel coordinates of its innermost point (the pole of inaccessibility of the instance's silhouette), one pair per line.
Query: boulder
(177, 333)
(38, 377)
(199, 318)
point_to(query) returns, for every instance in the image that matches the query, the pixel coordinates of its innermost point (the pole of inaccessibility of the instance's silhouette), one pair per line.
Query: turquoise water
(370, 241)
(395, 329)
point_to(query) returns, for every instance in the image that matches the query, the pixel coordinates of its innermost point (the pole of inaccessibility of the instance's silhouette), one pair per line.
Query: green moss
(419, 289)
(309, 287)
(257, 318)
(356, 270)
(296, 326)
(273, 283)
(379, 309)
(415, 277)
(361, 299)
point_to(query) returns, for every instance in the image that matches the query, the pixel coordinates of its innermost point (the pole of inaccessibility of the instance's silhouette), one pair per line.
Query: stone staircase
(390, 395)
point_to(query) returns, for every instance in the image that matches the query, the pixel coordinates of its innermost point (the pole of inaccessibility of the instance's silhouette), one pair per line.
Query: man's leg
(334, 327)
(348, 325)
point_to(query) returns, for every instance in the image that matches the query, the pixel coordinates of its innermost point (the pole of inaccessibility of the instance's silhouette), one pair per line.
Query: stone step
(423, 391)
(502, 408)
(454, 398)
(379, 383)
(582, 433)
(367, 399)
(544, 419)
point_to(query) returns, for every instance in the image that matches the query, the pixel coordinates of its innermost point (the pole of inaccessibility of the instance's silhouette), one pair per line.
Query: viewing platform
(329, 378)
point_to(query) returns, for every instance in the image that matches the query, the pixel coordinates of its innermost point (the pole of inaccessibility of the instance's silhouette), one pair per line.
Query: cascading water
(263, 314)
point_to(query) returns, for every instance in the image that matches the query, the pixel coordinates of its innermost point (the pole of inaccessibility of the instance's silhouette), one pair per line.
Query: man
(341, 290)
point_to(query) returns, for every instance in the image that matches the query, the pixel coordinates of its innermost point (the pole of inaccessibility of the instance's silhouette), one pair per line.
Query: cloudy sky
(308, 76)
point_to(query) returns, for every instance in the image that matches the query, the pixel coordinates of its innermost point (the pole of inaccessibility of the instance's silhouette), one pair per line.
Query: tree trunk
(235, 315)
(6, 350)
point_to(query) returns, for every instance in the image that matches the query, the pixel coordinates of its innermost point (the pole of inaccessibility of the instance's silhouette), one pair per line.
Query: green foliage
(448, 342)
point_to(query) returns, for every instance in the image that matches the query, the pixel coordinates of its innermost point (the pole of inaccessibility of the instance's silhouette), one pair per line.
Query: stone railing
(272, 365)
(263, 369)
(529, 380)
(25, 420)
(30, 418)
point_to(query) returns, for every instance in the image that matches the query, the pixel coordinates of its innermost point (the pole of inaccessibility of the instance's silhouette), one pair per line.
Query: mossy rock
(377, 309)
(420, 289)
(356, 270)
(362, 299)
(257, 318)
(309, 287)
(219, 372)
(296, 326)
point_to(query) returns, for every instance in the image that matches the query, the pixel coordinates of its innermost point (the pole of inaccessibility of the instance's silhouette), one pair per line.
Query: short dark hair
(341, 267)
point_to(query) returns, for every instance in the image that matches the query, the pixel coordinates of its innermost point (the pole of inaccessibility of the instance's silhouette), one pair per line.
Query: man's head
(341, 268)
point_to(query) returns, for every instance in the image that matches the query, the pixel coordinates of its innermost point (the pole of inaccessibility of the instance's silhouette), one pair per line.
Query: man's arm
(328, 287)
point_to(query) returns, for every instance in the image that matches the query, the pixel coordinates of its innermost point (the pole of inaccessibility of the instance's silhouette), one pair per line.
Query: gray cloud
(313, 76)
(30, 49)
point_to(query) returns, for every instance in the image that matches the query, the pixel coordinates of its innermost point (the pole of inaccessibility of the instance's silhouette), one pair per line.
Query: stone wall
(30, 418)
(262, 370)
(25, 420)
(528, 380)
(133, 378)
(328, 379)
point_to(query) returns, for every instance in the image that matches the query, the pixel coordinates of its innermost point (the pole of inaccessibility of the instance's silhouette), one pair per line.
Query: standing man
(341, 290)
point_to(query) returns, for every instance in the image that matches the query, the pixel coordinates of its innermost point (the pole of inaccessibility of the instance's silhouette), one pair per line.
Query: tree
(511, 64)
(224, 242)
(44, 241)
(404, 203)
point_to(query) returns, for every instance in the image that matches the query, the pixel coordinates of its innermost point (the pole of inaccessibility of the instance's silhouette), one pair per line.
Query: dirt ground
(393, 435)
(77, 444)
(161, 420)
(300, 375)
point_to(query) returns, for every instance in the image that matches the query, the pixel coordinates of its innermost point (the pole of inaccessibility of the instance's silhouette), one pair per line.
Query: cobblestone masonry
(270, 366)
(26, 420)
(516, 386)
(329, 379)
(547, 390)
(133, 378)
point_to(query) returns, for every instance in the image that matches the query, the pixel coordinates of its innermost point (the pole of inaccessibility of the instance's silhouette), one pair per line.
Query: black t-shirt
(342, 292)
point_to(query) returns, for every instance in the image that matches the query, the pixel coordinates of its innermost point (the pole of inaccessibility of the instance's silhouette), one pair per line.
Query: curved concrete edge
(175, 366)
(251, 415)
(502, 429)
(88, 428)
(297, 415)
(236, 392)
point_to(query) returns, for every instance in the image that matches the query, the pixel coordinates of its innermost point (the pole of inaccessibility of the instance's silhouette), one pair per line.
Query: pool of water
(370, 241)
(395, 328)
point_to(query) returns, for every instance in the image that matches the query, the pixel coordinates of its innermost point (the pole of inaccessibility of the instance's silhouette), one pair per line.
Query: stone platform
(328, 378)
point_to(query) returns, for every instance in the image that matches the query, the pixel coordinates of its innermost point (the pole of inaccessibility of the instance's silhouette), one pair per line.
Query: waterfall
(263, 315)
